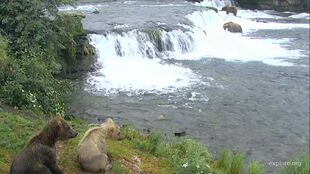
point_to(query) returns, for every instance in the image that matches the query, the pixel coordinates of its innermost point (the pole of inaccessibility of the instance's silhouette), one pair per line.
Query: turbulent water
(247, 92)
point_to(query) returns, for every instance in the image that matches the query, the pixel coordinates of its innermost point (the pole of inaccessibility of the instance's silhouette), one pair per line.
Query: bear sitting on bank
(39, 155)
(230, 9)
(92, 154)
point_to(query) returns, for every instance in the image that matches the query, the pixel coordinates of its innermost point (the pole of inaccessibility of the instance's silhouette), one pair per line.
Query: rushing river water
(247, 92)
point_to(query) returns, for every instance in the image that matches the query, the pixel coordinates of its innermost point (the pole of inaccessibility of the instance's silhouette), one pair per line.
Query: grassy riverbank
(151, 153)
(137, 153)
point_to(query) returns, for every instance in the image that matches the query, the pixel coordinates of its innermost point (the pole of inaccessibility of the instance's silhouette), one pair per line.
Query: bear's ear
(109, 121)
(52, 128)
(59, 121)
(110, 132)
(58, 115)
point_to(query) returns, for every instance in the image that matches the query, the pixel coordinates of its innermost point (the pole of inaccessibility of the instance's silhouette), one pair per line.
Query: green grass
(297, 165)
(256, 168)
(16, 129)
(14, 133)
(151, 153)
(230, 163)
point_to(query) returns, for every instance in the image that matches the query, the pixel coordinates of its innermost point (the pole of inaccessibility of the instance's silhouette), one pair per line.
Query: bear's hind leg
(38, 170)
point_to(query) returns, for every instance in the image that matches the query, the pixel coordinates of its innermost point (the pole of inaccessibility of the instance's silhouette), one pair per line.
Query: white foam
(216, 4)
(134, 74)
(250, 14)
(163, 5)
(129, 2)
(301, 16)
(247, 20)
(218, 43)
(86, 8)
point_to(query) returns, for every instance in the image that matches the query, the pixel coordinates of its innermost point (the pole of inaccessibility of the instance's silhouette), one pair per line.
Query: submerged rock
(193, 1)
(180, 134)
(96, 12)
(212, 8)
(162, 118)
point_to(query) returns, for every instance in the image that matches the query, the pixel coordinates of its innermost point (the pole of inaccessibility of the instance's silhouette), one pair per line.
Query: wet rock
(96, 12)
(279, 5)
(162, 118)
(193, 1)
(212, 8)
(79, 14)
(146, 130)
(180, 134)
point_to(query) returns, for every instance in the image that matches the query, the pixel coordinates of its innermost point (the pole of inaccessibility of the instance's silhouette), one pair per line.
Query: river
(246, 92)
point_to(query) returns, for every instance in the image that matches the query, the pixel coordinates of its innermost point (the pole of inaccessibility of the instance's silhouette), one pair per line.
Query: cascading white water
(217, 3)
(129, 63)
(218, 43)
(134, 60)
(148, 44)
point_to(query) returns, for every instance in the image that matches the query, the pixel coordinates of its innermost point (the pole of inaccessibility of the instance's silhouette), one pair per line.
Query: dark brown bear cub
(39, 155)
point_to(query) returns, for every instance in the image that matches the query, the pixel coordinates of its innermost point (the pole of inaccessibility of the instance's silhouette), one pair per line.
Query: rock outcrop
(193, 1)
(279, 5)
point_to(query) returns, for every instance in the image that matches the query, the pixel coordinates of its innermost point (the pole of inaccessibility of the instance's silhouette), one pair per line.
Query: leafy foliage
(39, 45)
(29, 24)
(188, 156)
(32, 86)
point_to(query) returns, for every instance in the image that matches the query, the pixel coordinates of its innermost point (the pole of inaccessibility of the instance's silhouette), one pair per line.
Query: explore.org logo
(283, 163)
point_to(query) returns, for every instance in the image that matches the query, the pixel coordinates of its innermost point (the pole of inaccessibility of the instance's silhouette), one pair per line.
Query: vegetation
(256, 168)
(38, 45)
(230, 163)
(136, 153)
(297, 165)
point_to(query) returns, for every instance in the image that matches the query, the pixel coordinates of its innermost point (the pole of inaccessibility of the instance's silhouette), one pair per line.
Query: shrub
(4, 61)
(256, 168)
(39, 46)
(230, 163)
(33, 86)
(187, 156)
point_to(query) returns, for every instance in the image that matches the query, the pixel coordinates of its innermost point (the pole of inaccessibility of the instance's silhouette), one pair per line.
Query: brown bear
(232, 27)
(39, 155)
(92, 154)
(230, 9)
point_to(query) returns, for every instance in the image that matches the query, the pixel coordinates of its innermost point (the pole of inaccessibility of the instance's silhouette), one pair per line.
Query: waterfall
(138, 59)
(150, 43)
(219, 3)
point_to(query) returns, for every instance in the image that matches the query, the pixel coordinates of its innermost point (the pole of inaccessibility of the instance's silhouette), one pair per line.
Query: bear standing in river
(39, 155)
(92, 154)
(232, 27)
(230, 9)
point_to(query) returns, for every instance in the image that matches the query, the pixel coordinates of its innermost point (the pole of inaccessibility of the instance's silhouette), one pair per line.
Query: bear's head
(227, 25)
(60, 130)
(113, 130)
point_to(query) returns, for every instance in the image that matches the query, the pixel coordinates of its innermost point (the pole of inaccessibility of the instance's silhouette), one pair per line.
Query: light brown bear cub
(92, 154)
